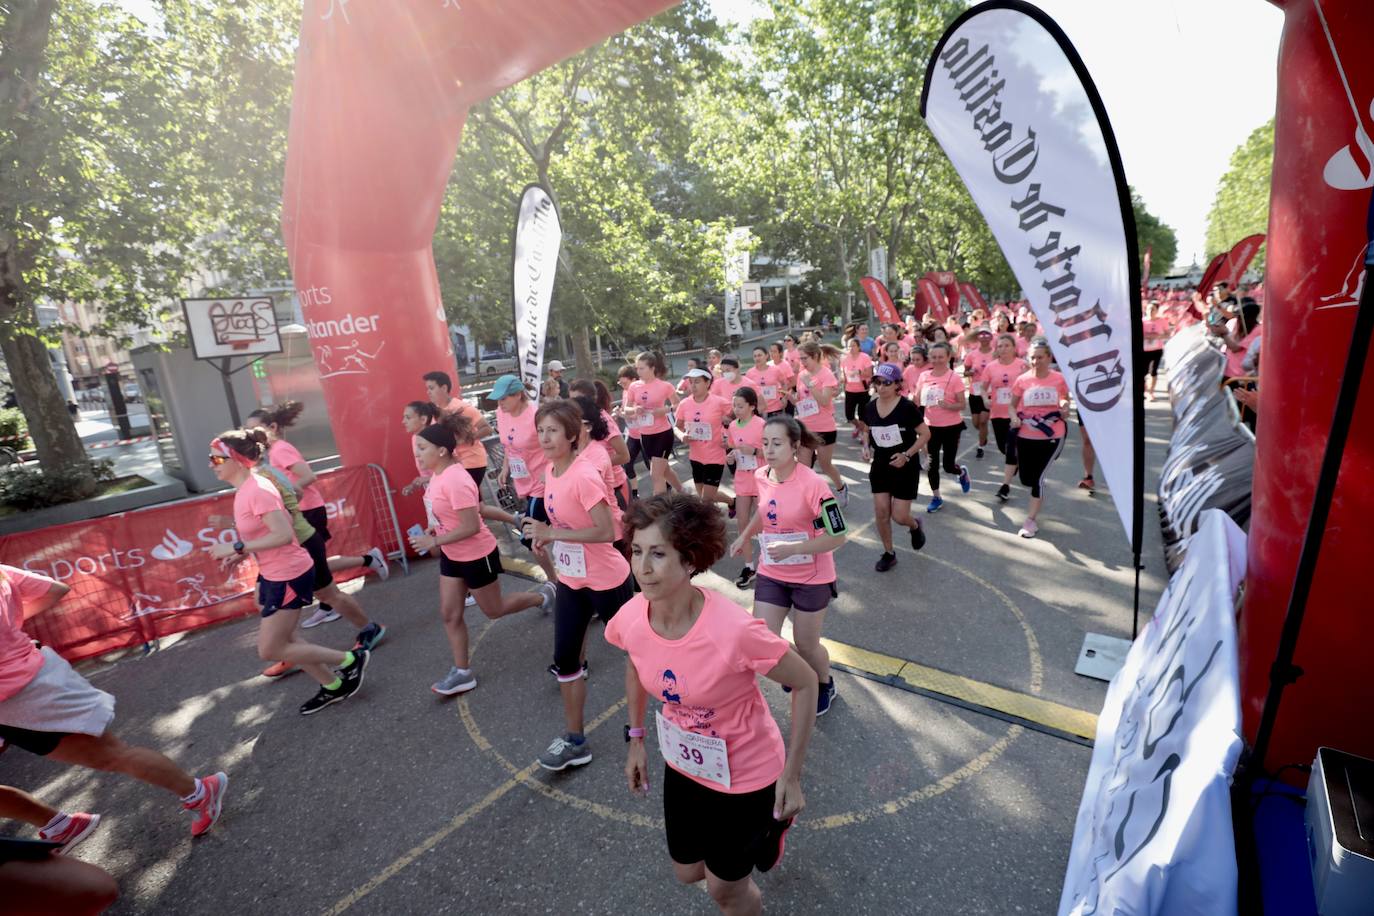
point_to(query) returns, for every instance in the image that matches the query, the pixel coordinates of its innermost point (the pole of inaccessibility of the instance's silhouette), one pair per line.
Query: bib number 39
(695, 755)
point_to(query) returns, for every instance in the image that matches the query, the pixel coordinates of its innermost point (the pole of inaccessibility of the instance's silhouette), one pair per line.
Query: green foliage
(26, 487)
(1151, 232)
(12, 424)
(1241, 206)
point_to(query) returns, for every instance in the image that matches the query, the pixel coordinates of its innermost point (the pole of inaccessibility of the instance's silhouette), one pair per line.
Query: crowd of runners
(619, 535)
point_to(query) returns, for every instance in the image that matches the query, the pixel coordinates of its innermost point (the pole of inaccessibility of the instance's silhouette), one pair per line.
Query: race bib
(786, 537)
(745, 462)
(699, 432)
(644, 418)
(978, 389)
(1040, 397)
(693, 754)
(570, 559)
(887, 436)
(1003, 395)
(769, 392)
(807, 407)
(932, 395)
(853, 376)
(429, 514)
(518, 468)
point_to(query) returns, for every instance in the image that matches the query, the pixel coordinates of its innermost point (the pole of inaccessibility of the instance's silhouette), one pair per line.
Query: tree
(1152, 233)
(1241, 206)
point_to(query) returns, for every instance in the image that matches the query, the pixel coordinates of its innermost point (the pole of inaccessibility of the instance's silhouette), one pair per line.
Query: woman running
(791, 353)
(617, 451)
(778, 359)
(1156, 333)
(800, 525)
(745, 437)
(469, 560)
(702, 417)
(858, 375)
(917, 361)
(523, 462)
(998, 377)
(287, 458)
(897, 432)
(1040, 400)
(730, 787)
(815, 402)
(651, 401)
(593, 578)
(768, 381)
(940, 391)
(624, 379)
(264, 531)
(415, 417)
(976, 359)
(730, 379)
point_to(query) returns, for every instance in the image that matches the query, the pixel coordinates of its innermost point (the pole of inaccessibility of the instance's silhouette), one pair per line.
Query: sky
(1184, 83)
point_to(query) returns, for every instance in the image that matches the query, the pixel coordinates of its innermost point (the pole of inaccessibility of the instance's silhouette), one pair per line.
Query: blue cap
(888, 373)
(506, 386)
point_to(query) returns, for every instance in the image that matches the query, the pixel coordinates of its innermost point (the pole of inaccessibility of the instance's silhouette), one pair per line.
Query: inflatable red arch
(381, 93)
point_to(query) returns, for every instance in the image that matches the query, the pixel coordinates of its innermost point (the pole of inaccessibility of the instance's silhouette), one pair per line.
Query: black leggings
(1035, 457)
(1006, 442)
(573, 610)
(946, 439)
(854, 402)
(1150, 366)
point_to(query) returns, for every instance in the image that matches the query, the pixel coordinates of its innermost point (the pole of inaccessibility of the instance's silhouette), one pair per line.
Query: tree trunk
(50, 426)
(844, 272)
(586, 368)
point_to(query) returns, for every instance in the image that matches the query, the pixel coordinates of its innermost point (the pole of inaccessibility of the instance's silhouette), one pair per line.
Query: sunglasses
(217, 460)
(880, 381)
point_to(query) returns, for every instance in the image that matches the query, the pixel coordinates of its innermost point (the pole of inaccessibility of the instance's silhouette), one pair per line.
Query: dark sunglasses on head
(217, 460)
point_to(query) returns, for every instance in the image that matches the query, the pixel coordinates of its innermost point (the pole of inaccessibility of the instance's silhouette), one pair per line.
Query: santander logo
(171, 547)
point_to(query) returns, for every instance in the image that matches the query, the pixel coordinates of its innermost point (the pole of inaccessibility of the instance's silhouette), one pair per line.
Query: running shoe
(353, 674)
(369, 636)
(469, 601)
(746, 575)
(379, 563)
(1004, 492)
(454, 682)
(842, 497)
(979, 453)
(547, 593)
(825, 698)
(918, 535)
(964, 482)
(563, 753)
(885, 562)
(322, 698)
(207, 809)
(277, 669)
(78, 826)
(770, 846)
(553, 669)
(320, 616)
(1087, 484)
(731, 513)
(935, 505)
(1029, 529)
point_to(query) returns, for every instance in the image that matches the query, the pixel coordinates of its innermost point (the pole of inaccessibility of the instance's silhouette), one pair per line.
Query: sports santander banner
(881, 300)
(1240, 256)
(137, 576)
(1212, 275)
(930, 297)
(1015, 110)
(971, 293)
(538, 235)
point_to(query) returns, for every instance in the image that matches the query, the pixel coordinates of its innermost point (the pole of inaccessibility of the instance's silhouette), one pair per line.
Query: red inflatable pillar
(381, 92)
(1320, 195)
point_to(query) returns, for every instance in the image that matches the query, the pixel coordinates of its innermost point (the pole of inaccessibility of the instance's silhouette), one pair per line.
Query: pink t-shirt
(618, 476)
(997, 379)
(975, 360)
(1022, 346)
(911, 375)
(1156, 332)
(793, 358)
(647, 396)
(569, 499)
(750, 435)
(769, 382)
(791, 508)
(252, 501)
(1040, 397)
(630, 429)
(598, 455)
(449, 493)
(704, 418)
(723, 389)
(19, 660)
(282, 455)
(931, 389)
(823, 420)
(789, 375)
(1234, 358)
(523, 454)
(469, 456)
(854, 368)
(707, 681)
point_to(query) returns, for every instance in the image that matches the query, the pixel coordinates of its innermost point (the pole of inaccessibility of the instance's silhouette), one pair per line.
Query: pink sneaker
(207, 809)
(1029, 529)
(79, 826)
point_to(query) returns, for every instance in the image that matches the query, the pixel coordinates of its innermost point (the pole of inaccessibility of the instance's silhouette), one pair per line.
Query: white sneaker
(379, 563)
(470, 601)
(842, 496)
(320, 616)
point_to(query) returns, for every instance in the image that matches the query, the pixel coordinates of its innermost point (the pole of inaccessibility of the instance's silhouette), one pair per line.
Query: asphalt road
(401, 802)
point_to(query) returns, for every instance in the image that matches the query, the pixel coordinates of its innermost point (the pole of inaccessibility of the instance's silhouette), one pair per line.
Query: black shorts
(808, 598)
(40, 743)
(534, 508)
(474, 573)
(272, 595)
(854, 402)
(901, 483)
(1150, 366)
(477, 474)
(320, 554)
(318, 518)
(826, 438)
(573, 611)
(720, 829)
(657, 445)
(977, 405)
(707, 475)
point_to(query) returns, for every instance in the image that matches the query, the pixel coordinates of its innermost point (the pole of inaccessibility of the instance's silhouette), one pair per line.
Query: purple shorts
(809, 598)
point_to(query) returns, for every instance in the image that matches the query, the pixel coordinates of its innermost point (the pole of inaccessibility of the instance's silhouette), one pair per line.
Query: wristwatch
(633, 733)
(238, 547)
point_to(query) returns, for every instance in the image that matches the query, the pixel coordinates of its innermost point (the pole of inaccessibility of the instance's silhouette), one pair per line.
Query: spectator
(1237, 339)
(556, 375)
(865, 342)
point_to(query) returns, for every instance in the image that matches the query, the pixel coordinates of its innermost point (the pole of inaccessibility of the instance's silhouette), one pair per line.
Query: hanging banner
(974, 297)
(877, 263)
(1154, 835)
(881, 300)
(534, 262)
(736, 272)
(933, 302)
(1145, 271)
(1212, 275)
(1240, 256)
(1015, 110)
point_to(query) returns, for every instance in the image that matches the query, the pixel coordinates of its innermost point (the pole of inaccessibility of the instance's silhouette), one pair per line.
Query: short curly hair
(693, 526)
